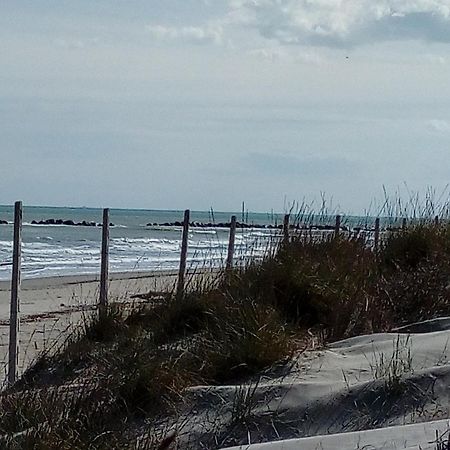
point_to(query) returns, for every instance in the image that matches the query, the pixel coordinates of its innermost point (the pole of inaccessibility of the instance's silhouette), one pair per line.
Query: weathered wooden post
(337, 226)
(183, 257)
(104, 267)
(230, 254)
(404, 224)
(376, 240)
(13, 356)
(286, 229)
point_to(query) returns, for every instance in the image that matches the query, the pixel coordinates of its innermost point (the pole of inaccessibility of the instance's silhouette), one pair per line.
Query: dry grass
(120, 375)
(132, 367)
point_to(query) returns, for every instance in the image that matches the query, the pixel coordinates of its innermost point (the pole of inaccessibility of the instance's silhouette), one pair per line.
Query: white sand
(420, 436)
(337, 398)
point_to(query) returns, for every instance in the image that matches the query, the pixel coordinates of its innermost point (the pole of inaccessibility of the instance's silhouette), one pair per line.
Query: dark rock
(69, 222)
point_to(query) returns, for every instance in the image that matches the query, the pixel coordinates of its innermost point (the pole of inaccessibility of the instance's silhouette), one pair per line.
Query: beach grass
(127, 373)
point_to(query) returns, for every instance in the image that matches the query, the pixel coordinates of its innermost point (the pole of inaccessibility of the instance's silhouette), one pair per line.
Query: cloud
(344, 23)
(194, 35)
(434, 59)
(439, 126)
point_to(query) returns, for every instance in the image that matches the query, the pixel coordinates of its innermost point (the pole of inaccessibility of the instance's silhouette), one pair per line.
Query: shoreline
(53, 281)
(64, 280)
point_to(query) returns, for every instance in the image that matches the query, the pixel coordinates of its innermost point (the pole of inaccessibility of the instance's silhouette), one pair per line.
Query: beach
(51, 307)
(305, 350)
(60, 263)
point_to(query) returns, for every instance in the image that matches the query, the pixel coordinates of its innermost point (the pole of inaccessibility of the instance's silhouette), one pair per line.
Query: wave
(69, 252)
(43, 225)
(204, 231)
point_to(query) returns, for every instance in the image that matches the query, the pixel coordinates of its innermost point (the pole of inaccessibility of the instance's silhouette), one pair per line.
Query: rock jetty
(72, 223)
(245, 225)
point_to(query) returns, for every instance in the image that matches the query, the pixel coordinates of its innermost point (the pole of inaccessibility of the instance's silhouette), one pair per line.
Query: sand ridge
(386, 390)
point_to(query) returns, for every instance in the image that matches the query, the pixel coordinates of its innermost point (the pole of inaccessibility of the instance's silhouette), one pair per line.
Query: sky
(177, 104)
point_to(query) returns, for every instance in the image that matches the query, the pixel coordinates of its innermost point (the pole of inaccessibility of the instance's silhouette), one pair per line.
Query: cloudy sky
(198, 103)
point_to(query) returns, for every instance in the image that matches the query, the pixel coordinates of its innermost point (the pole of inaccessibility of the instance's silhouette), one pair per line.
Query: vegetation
(393, 368)
(119, 376)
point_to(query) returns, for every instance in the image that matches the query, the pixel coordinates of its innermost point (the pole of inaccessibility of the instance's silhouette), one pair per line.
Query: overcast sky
(197, 103)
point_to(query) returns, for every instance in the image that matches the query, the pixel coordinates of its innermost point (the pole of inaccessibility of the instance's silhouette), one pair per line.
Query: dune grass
(119, 376)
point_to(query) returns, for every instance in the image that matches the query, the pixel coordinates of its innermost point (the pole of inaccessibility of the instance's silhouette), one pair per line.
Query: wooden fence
(14, 321)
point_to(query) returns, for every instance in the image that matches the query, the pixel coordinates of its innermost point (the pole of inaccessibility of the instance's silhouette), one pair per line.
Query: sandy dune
(380, 391)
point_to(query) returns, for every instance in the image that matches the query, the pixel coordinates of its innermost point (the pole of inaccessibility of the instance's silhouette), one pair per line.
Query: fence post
(286, 229)
(404, 224)
(377, 234)
(337, 226)
(436, 221)
(230, 255)
(183, 257)
(15, 288)
(104, 268)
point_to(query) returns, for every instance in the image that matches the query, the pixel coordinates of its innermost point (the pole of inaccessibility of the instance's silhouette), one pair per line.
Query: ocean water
(50, 250)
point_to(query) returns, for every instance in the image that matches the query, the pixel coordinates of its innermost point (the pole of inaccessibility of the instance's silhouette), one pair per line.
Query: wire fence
(37, 313)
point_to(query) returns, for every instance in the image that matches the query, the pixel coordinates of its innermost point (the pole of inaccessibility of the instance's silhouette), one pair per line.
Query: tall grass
(130, 370)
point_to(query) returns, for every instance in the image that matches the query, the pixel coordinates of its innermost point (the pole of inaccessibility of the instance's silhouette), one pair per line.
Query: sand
(380, 391)
(51, 307)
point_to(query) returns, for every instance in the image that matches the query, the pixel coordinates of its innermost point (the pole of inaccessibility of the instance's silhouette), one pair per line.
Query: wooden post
(377, 234)
(183, 258)
(104, 268)
(436, 221)
(13, 355)
(404, 224)
(286, 229)
(337, 226)
(230, 255)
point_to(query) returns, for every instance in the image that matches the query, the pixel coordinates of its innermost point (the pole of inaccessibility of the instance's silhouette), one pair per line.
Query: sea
(55, 250)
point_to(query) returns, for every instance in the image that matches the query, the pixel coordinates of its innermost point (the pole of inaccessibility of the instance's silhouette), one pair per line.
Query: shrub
(314, 283)
(245, 337)
(412, 247)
